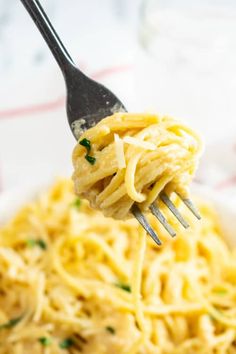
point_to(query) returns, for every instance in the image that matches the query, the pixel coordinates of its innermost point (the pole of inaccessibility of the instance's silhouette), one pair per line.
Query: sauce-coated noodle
(73, 281)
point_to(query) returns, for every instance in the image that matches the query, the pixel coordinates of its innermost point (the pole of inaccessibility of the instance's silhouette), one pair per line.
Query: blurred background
(175, 57)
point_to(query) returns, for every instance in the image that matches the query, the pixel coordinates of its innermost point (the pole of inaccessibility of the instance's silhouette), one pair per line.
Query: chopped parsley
(31, 243)
(76, 203)
(212, 317)
(86, 143)
(111, 329)
(66, 343)
(45, 341)
(221, 292)
(125, 287)
(11, 323)
(90, 159)
(40, 243)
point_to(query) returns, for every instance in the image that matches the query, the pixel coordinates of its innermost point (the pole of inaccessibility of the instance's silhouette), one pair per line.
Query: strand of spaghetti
(114, 197)
(188, 286)
(137, 279)
(163, 181)
(62, 318)
(134, 348)
(75, 284)
(115, 263)
(112, 186)
(85, 286)
(136, 289)
(130, 177)
(39, 296)
(186, 309)
(31, 332)
(221, 318)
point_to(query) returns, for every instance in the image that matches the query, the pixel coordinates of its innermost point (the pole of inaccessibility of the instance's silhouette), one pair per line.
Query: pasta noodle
(73, 281)
(132, 158)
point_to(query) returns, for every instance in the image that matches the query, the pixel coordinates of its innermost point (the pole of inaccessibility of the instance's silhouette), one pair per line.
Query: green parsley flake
(31, 243)
(66, 343)
(111, 329)
(90, 159)
(45, 341)
(221, 292)
(86, 143)
(76, 203)
(11, 323)
(125, 287)
(212, 317)
(40, 243)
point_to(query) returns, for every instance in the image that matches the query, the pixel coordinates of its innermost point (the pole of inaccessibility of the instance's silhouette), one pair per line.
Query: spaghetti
(73, 281)
(129, 158)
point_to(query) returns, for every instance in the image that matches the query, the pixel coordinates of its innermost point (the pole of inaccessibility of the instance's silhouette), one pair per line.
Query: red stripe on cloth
(37, 108)
(227, 183)
(60, 101)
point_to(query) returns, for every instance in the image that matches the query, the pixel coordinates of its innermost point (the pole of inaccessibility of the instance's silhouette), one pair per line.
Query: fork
(87, 103)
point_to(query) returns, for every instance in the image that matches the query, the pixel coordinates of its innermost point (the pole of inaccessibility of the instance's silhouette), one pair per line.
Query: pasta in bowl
(130, 158)
(73, 281)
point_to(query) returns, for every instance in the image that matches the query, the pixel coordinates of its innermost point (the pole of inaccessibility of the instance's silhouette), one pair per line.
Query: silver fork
(155, 210)
(88, 102)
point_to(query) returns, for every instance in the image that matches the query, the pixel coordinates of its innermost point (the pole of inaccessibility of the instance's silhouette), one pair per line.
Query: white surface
(96, 33)
(226, 211)
(187, 65)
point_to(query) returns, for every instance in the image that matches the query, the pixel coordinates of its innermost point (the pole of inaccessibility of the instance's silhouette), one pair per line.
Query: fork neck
(52, 39)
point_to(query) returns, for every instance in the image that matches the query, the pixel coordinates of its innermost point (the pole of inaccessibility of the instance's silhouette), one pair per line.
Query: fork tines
(190, 205)
(145, 224)
(157, 213)
(166, 200)
(161, 218)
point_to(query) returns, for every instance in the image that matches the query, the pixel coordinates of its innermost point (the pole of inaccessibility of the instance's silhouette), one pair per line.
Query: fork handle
(51, 37)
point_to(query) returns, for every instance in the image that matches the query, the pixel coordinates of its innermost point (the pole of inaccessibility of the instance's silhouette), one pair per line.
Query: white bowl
(11, 201)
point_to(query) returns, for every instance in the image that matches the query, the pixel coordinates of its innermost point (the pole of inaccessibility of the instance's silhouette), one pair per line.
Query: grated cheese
(120, 155)
(144, 144)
